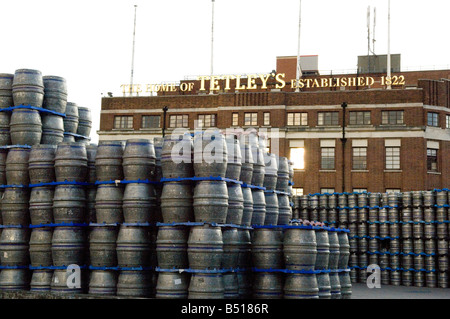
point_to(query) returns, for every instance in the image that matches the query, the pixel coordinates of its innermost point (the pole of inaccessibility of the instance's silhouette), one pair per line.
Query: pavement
(361, 291)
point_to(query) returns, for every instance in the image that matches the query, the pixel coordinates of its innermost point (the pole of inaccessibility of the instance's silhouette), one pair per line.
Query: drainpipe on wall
(344, 141)
(165, 108)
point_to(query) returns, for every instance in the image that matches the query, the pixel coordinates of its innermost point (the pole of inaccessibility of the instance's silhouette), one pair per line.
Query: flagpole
(212, 38)
(299, 68)
(389, 45)
(132, 55)
(212, 42)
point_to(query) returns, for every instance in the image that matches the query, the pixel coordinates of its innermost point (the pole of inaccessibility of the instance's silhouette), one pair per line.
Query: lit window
(297, 191)
(328, 119)
(267, 150)
(206, 120)
(392, 117)
(235, 119)
(327, 158)
(123, 122)
(447, 121)
(359, 190)
(297, 119)
(393, 190)
(432, 160)
(392, 157)
(179, 121)
(151, 121)
(298, 157)
(266, 118)
(327, 190)
(251, 119)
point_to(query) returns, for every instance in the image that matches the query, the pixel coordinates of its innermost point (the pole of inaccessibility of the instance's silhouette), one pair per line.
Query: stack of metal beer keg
(405, 234)
(172, 218)
(41, 177)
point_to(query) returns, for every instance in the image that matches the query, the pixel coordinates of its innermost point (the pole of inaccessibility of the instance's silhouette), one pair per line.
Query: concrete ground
(361, 291)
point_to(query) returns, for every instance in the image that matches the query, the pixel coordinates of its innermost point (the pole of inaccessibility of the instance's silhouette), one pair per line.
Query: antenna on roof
(132, 55)
(389, 45)
(299, 68)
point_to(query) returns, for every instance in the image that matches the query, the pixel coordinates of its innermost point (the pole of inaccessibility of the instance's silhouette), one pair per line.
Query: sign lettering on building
(261, 82)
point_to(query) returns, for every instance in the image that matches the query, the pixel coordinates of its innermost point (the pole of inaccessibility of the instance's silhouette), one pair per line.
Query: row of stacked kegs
(405, 234)
(135, 220)
(38, 131)
(34, 110)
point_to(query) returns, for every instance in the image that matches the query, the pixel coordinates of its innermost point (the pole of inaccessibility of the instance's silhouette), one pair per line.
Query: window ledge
(327, 171)
(434, 173)
(299, 170)
(150, 129)
(360, 125)
(331, 126)
(123, 129)
(393, 171)
(360, 171)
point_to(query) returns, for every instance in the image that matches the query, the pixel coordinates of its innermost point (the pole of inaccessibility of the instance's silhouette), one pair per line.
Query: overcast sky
(90, 42)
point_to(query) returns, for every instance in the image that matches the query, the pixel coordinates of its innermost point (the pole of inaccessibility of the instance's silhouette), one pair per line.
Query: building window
(392, 117)
(433, 119)
(151, 121)
(297, 119)
(359, 118)
(297, 191)
(327, 158)
(393, 158)
(206, 120)
(432, 160)
(393, 190)
(360, 158)
(235, 119)
(360, 190)
(267, 149)
(123, 122)
(266, 118)
(327, 190)
(179, 121)
(298, 157)
(447, 121)
(328, 119)
(251, 119)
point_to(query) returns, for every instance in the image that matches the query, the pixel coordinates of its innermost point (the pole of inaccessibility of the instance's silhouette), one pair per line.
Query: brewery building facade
(344, 132)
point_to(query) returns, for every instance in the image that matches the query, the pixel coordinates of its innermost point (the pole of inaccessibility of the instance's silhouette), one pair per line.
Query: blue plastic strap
(253, 187)
(14, 267)
(139, 181)
(15, 146)
(59, 225)
(77, 135)
(138, 224)
(30, 107)
(158, 224)
(195, 178)
(13, 226)
(103, 224)
(61, 183)
(52, 267)
(140, 268)
(13, 186)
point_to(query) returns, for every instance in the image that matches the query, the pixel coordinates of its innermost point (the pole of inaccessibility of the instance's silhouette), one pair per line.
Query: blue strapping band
(30, 107)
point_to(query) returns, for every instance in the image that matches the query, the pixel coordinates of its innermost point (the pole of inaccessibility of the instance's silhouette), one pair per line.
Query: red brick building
(397, 139)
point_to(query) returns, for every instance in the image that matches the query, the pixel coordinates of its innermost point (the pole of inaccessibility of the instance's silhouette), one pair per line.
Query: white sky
(90, 42)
